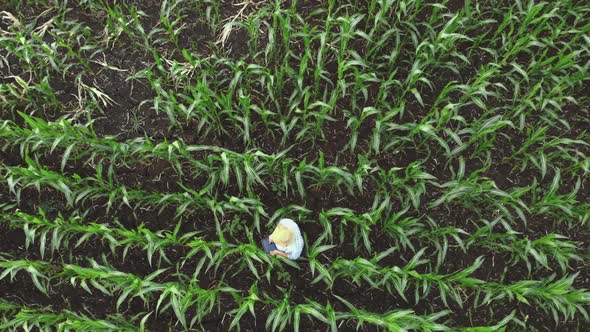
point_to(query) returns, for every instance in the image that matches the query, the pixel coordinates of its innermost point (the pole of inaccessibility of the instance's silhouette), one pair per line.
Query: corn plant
(473, 190)
(550, 202)
(124, 19)
(393, 320)
(540, 251)
(565, 300)
(173, 295)
(37, 271)
(19, 317)
(61, 231)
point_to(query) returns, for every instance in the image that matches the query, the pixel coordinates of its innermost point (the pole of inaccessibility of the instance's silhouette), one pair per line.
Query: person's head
(282, 236)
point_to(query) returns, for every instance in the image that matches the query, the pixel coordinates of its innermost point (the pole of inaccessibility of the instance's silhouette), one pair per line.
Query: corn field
(435, 154)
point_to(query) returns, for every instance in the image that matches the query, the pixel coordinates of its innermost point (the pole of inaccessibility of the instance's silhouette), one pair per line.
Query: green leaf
(65, 157)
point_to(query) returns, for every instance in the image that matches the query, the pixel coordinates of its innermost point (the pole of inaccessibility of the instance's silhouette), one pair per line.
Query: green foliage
(418, 144)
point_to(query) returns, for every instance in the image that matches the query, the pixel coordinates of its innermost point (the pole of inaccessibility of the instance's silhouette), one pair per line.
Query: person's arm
(281, 253)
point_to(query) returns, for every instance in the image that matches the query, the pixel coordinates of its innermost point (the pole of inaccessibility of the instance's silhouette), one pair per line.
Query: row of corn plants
(285, 312)
(59, 234)
(558, 297)
(184, 298)
(16, 317)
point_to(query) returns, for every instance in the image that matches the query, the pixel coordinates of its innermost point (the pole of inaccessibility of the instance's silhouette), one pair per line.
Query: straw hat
(282, 236)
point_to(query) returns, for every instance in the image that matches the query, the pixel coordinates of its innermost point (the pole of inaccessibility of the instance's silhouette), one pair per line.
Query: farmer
(285, 240)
